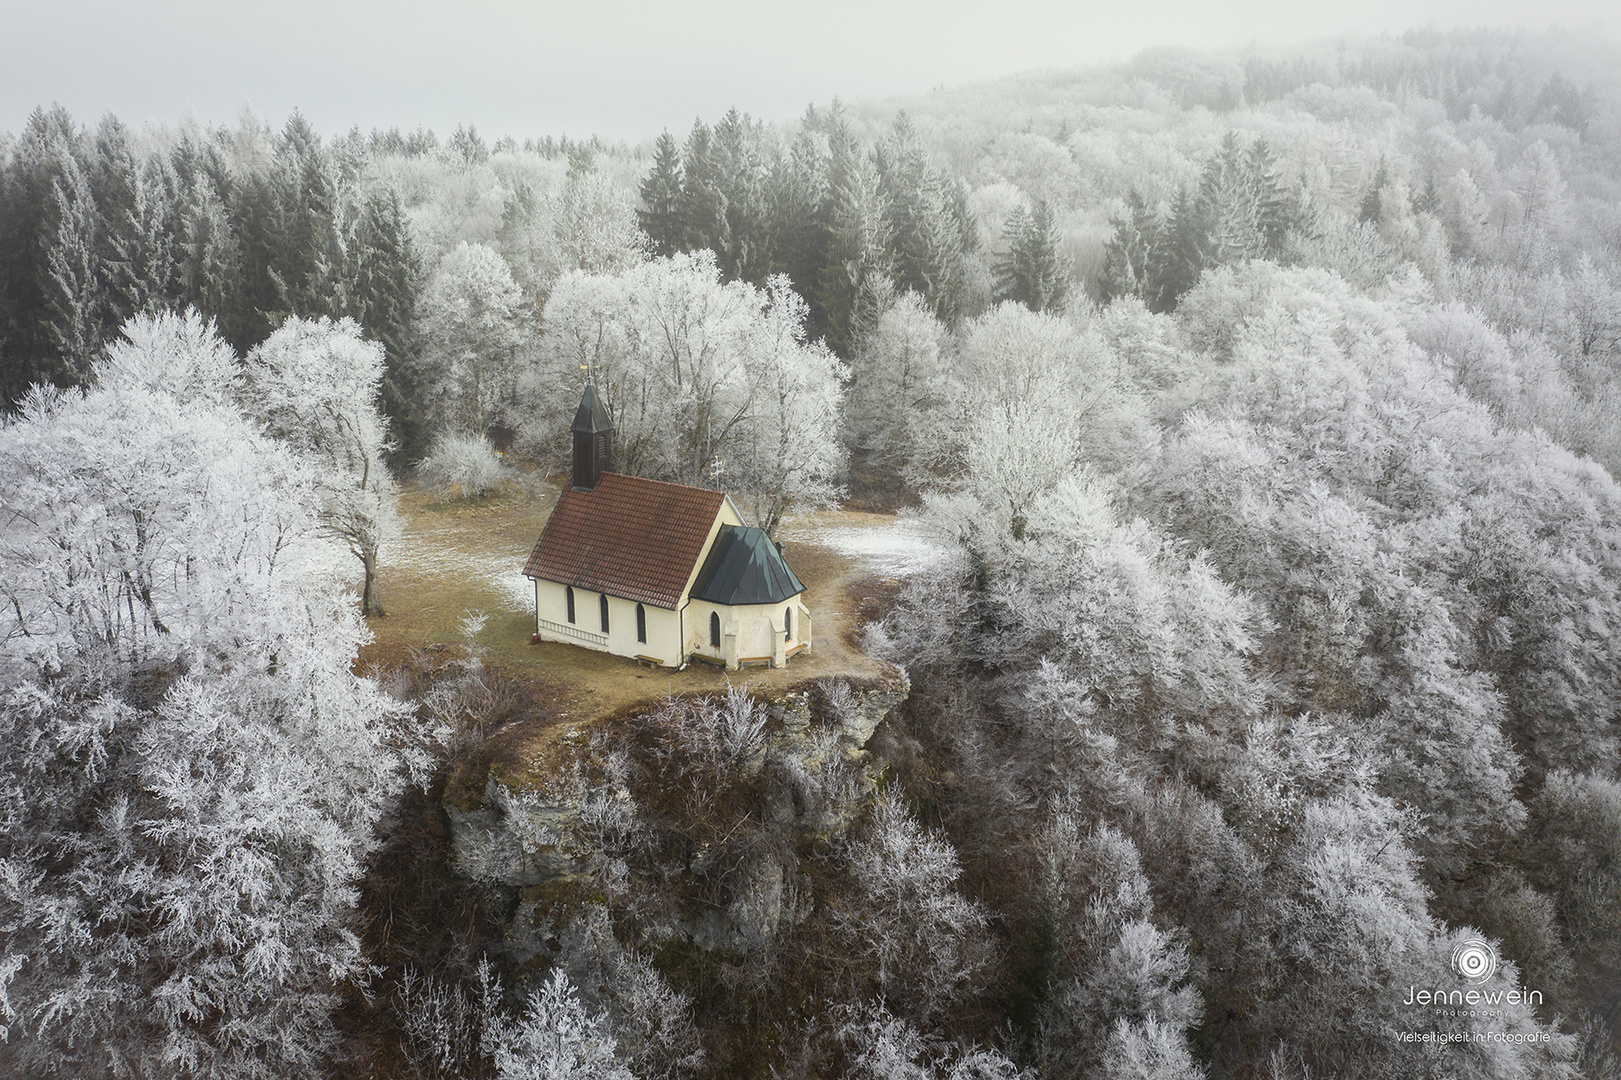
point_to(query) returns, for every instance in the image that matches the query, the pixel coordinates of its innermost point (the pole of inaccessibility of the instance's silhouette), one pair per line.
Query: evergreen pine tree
(145, 270)
(660, 213)
(113, 179)
(76, 298)
(703, 203)
(1133, 257)
(796, 187)
(211, 262)
(258, 300)
(1034, 272)
(1277, 213)
(386, 274)
(1230, 206)
(306, 262)
(739, 176)
(1372, 208)
(1184, 259)
(855, 281)
(37, 162)
(928, 227)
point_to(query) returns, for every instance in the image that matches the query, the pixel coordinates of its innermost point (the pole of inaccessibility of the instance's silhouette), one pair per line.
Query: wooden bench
(650, 661)
(715, 660)
(797, 649)
(746, 661)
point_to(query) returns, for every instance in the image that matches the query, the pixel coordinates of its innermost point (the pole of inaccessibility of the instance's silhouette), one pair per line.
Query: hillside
(1233, 693)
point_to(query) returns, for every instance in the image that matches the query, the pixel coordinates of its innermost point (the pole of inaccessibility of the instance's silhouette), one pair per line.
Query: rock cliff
(700, 813)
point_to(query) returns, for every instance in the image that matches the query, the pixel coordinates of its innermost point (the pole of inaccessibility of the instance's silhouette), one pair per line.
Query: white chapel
(664, 573)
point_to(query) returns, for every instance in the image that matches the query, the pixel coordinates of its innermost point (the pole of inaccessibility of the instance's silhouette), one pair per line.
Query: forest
(1266, 404)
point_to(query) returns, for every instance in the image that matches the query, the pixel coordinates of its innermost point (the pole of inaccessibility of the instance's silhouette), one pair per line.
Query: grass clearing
(457, 557)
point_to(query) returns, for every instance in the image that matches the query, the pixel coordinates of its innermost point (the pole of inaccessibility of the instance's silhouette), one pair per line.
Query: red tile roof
(627, 537)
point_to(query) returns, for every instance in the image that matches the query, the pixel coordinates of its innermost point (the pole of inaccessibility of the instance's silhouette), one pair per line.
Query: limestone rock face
(526, 838)
(812, 776)
(824, 777)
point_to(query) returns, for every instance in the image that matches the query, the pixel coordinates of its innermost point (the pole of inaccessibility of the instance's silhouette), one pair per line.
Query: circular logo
(1474, 959)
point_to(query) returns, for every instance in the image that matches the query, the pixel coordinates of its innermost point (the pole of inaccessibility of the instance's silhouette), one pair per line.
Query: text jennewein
(1415, 996)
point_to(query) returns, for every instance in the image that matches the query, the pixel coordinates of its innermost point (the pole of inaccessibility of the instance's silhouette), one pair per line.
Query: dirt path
(462, 557)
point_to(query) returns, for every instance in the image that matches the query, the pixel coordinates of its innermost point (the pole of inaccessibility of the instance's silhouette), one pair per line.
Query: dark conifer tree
(1134, 257)
(703, 202)
(1185, 252)
(1229, 206)
(27, 234)
(386, 275)
(113, 180)
(927, 227)
(660, 213)
(468, 147)
(855, 280)
(796, 188)
(209, 256)
(307, 261)
(256, 301)
(147, 253)
(1373, 205)
(1278, 213)
(741, 250)
(1034, 272)
(75, 293)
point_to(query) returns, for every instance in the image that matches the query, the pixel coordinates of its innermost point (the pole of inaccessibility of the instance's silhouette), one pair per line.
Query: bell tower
(593, 440)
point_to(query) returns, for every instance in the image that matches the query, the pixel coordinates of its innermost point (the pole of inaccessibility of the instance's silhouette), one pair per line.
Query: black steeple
(593, 440)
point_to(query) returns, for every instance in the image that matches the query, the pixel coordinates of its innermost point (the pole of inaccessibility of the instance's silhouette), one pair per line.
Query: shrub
(465, 465)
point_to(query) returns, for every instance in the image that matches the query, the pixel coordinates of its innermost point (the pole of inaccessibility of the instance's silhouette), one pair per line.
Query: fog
(620, 70)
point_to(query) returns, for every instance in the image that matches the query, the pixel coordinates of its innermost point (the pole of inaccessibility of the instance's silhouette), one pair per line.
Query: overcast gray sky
(622, 70)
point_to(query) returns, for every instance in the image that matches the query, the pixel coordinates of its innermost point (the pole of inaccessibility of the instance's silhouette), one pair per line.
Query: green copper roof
(745, 567)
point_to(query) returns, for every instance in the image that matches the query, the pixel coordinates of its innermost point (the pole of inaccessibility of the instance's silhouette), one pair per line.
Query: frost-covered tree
(192, 776)
(899, 380)
(554, 1038)
(594, 220)
(922, 943)
(77, 293)
(1034, 271)
(879, 1045)
(854, 284)
(474, 322)
(1031, 400)
(652, 1023)
(660, 212)
(314, 386)
(1112, 973)
(707, 383)
(1148, 1050)
(146, 251)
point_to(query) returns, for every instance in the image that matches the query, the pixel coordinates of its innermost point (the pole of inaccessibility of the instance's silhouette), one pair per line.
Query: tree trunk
(370, 603)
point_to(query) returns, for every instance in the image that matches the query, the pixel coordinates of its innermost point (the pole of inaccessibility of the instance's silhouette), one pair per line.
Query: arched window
(714, 630)
(641, 624)
(568, 591)
(604, 613)
(787, 623)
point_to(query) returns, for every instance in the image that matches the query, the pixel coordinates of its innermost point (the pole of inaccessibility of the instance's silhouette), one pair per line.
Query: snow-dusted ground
(504, 572)
(896, 548)
(878, 545)
(517, 591)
